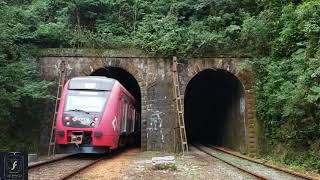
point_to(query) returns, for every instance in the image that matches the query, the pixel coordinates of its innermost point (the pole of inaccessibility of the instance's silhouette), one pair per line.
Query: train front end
(82, 118)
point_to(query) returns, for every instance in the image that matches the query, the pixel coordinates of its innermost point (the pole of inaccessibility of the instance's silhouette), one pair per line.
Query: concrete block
(165, 161)
(32, 157)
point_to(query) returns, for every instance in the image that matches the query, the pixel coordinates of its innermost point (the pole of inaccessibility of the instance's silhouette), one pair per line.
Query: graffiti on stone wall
(155, 123)
(154, 128)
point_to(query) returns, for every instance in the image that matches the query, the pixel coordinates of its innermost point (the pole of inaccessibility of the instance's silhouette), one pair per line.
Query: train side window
(126, 117)
(133, 119)
(122, 116)
(129, 119)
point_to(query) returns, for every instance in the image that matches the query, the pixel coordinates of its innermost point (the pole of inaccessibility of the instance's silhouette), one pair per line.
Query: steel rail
(57, 160)
(68, 176)
(51, 161)
(90, 164)
(241, 169)
(264, 164)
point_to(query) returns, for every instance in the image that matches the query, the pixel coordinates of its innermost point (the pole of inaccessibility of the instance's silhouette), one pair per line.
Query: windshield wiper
(79, 110)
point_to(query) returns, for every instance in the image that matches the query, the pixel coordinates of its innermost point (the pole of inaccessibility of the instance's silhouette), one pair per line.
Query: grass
(166, 166)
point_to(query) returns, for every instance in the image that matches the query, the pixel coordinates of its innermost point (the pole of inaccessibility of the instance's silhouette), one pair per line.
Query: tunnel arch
(125, 78)
(215, 109)
(128, 81)
(133, 69)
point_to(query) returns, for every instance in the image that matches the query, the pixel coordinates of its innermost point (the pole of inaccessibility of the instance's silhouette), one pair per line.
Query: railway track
(248, 165)
(62, 168)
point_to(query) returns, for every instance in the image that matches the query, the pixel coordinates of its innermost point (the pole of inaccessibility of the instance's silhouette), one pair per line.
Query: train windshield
(86, 101)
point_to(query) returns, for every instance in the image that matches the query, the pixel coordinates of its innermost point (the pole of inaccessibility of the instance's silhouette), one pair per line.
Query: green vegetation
(22, 92)
(166, 166)
(283, 36)
(288, 84)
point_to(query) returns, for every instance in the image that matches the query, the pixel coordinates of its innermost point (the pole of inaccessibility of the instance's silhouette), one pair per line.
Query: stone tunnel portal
(129, 82)
(214, 109)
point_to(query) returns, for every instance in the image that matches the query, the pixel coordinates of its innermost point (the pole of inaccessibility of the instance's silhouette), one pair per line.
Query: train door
(124, 115)
(123, 124)
(129, 119)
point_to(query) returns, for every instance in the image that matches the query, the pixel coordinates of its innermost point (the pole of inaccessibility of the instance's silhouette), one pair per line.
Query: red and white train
(96, 114)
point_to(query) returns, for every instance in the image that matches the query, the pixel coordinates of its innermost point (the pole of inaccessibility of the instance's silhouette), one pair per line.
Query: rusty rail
(60, 163)
(241, 169)
(50, 161)
(224, 150)
(81, 169)
(293, 173)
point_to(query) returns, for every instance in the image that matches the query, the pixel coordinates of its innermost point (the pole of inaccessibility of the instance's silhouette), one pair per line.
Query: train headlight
(92, 124)
(95, 119)
(67, 123)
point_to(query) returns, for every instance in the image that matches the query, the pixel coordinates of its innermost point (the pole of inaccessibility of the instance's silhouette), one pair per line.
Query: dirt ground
(135, 164)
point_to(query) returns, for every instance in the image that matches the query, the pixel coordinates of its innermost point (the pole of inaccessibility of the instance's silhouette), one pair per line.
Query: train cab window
(90, 101)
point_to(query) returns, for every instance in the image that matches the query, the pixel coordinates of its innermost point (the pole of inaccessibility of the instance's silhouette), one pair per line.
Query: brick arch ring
(243, 75)
(127, 66)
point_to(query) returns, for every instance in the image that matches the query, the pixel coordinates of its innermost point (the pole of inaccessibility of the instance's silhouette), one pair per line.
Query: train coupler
(76, 137)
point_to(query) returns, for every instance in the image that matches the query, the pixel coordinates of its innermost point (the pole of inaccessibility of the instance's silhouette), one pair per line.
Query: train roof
(92, 83)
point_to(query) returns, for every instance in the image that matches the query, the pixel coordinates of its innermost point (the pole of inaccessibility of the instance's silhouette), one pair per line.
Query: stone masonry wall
(153, 74)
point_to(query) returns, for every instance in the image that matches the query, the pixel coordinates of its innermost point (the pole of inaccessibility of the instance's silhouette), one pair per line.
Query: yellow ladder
(61, 81)
(179, 105)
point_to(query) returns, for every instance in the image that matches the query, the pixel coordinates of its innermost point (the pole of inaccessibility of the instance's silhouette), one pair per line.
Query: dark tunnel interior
(213, 112)
(128, 81)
